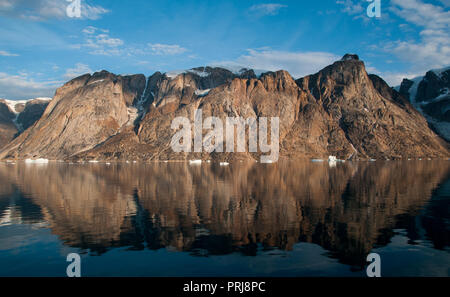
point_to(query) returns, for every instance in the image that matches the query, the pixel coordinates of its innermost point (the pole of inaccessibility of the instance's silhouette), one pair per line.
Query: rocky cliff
(430, 94)
(17, 116)
(340, 111)
(83, 113)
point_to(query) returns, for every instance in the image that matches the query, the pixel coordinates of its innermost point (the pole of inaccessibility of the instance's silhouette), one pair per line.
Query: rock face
(84, 112)
(362, 115)
(7, 127)
(430, 94)
(17, 116)
(31, 113)
(339, 111)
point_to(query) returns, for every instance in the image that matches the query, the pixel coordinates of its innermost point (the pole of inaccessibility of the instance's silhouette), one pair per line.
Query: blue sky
(41, 47)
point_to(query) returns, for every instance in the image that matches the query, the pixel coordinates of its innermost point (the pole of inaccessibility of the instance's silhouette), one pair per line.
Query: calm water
(285, 219)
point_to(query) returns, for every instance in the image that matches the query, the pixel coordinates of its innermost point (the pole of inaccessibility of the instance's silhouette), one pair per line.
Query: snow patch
(202, 93)
(12, 104)
(199, 73)
(439, 72)
(174, 73)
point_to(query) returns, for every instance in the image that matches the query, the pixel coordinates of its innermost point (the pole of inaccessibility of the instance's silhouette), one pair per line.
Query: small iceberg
(316, 160)
(332, 161)
(224, 163)
(195, 162)
(37, 161)
(93, 161)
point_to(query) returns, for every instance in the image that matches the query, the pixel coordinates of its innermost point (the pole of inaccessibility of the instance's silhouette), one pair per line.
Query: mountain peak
(350, 57)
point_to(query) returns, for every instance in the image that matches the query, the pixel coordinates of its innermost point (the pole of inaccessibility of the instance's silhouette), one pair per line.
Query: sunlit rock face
(83, 113)
(347, 209)
(340, 111)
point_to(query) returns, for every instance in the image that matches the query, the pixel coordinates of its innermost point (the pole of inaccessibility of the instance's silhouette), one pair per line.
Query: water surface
(246, 219)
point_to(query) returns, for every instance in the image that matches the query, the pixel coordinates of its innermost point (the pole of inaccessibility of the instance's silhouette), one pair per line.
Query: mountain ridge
(340, 110)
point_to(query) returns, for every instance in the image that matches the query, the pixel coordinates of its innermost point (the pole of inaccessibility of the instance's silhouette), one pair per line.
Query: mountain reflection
(209, 210)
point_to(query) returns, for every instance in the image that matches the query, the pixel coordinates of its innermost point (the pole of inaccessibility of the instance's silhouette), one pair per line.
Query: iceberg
(37, 161)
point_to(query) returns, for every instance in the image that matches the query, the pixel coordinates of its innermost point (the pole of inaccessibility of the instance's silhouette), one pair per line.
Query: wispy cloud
(421, 14)
(99, 42)
(78, 70)
(267, 9)
(166, 49)
(8, 54)
(432, 50)
(351, 7)
(297, 63)
(19, 86)
(39, 10)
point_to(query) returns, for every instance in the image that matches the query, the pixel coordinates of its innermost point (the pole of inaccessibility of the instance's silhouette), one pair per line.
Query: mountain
(83, 113)
(340, 111)
(17, 116)
(430, 94)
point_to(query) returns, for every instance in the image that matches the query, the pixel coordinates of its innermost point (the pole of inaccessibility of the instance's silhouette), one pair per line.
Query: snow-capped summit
(17, 115)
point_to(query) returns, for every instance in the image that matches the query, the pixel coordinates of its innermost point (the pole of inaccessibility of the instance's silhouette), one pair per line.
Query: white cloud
(433, 48)
(78, 70)
(422, 14)
(351, 7)
(100, 43)
(21, 87)
(395, 78)
(91, 30)
(6, 4)
(166, 49)
(39, 10)
(298, 64)
(267, 9)
(8, 54)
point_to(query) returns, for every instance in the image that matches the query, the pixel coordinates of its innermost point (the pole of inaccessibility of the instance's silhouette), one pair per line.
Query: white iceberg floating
(93, 161)
(195, 162)
(332, 160)
(316, 160)
(37, 161)
(224, 163)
